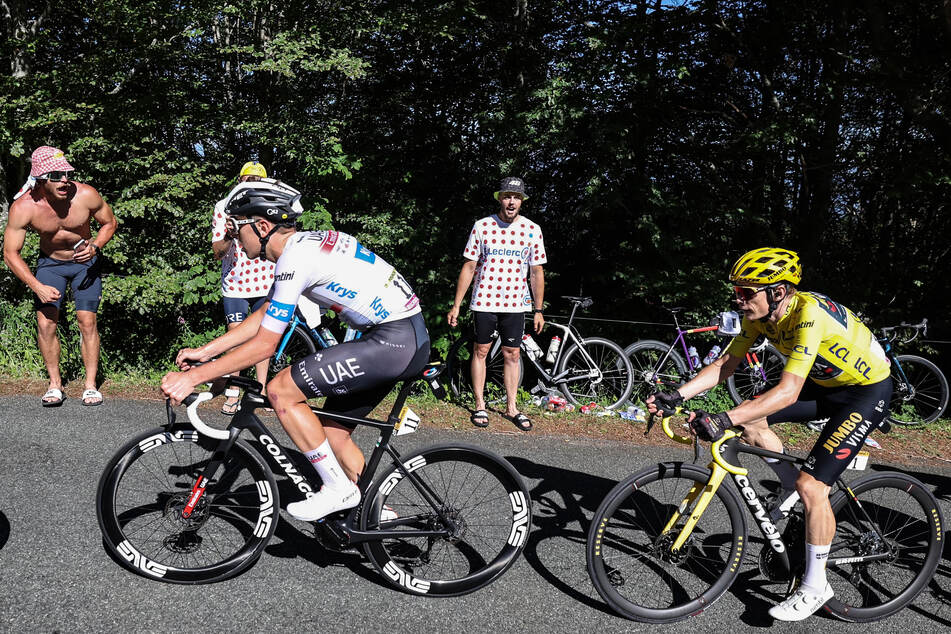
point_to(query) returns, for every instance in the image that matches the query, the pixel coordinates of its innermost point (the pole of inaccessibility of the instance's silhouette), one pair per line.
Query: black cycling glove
(668, 402)
(710, 427)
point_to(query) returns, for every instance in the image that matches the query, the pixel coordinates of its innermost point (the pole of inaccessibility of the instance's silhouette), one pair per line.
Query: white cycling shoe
(325, 502)
(802, 603)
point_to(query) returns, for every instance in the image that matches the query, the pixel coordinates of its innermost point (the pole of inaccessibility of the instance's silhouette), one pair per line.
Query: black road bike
(669, 541)
(187, 503)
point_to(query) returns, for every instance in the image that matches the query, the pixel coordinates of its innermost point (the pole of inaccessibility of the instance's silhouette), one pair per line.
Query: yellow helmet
(766, 266)
(253, 168)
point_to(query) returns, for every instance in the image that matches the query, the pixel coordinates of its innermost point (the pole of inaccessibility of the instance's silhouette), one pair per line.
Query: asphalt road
(56, 576)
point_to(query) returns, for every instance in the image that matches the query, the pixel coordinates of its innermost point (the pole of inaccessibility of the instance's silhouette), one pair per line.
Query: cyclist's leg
(485, 325)
(339, 434)
(854, 412)
(511, 328)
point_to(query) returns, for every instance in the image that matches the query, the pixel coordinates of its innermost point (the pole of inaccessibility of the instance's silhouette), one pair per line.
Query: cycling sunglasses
(746, 293)
(232, 225)
(54, 176)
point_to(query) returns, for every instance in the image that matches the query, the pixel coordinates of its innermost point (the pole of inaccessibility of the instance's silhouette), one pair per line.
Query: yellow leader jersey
(822, 340)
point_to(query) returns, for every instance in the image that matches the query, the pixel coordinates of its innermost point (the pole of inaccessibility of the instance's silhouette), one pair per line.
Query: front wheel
(598, 371)
(631, 557)
(920, 391)
(649, 373)
(887, 546)
(143, 492)
(758, 372)
(479, 504)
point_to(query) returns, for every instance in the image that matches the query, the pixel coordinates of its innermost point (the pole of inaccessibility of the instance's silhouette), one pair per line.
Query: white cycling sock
(787, 472)
(815, 575)
(327, 467)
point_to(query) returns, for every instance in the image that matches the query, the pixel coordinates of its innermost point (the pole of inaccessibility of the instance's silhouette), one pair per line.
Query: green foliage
(659, 140)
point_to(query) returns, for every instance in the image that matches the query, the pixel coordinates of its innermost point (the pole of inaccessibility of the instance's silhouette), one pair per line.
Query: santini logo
(283, 277)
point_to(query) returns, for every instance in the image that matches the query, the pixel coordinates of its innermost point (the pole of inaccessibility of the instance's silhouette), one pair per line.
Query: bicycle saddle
(583, 302)
(675, 309)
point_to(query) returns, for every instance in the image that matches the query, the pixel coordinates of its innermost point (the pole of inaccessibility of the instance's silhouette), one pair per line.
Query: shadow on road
(4, 530)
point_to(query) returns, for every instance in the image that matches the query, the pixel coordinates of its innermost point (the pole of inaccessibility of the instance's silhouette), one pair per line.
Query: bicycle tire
(299, 345)
(483, 494)
(147, 482)
(910, 519)
(644, 356)
(926, 398)
(459, 371)
(612, 389)
(629, 558)
(747, 383)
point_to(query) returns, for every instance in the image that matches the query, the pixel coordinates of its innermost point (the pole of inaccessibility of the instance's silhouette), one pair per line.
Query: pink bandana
(48, 159)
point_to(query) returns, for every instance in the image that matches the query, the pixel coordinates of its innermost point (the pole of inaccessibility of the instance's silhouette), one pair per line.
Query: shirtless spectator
(59, 210)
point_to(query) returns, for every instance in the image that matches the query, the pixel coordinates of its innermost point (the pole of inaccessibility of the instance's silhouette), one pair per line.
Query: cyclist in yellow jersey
(835, 369)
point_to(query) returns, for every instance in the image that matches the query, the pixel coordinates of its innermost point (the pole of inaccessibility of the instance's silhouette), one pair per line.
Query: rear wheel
(897, 520)
(751, 380)
(648, 374)
(143, 492)
(607, 382)
(920, 391)
(482, 507)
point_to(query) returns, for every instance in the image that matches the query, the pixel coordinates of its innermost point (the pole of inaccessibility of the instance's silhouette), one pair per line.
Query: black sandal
(521, 421)
(479, 418)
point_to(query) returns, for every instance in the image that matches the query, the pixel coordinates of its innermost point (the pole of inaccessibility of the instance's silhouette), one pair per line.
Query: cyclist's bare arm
(462, 285)
(238, 335)
(771, 401)
(710, 376)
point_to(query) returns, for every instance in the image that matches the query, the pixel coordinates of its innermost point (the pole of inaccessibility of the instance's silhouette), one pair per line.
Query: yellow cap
(253, 168)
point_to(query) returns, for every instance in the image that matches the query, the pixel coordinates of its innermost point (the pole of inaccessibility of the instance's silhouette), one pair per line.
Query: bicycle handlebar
(920, 329)
(192, 402)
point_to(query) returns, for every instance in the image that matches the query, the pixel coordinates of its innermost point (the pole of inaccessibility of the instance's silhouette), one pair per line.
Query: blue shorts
(82, 276)
(236, 308)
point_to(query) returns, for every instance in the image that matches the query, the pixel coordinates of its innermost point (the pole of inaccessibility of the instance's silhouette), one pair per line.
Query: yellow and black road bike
(670, 540)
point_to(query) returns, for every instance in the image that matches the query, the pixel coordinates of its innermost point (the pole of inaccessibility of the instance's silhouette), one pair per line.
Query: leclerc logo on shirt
(510, 253)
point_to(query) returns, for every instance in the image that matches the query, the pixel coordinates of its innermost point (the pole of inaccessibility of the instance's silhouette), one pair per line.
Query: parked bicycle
(920, 389)
(584, 369)
(669, 541)
(659, 366)
(187, 503)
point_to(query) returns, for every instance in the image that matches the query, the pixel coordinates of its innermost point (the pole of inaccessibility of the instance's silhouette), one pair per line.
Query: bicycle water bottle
(531, 348)
(553, 349)
(712, 355)
(694, 356)
(327, 336)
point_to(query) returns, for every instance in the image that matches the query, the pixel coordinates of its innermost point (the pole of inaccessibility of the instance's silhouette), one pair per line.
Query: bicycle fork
(698, 498)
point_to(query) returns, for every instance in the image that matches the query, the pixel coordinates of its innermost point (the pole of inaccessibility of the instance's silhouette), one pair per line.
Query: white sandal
(230, 409)
(94, 394)
(53, 393)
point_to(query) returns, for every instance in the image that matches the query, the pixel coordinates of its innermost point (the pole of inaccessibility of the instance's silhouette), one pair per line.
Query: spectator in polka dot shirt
(244, 282)
(504, 258)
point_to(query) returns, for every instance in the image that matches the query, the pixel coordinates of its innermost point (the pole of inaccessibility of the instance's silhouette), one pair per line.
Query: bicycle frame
(571, 335)
(725, 460)
(350, 335)
(344, 528)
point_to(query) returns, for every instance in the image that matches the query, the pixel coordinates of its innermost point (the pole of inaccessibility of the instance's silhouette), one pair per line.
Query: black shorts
(82, 276)
(355, 376)
(510, 326)
(854, 411)
(237, 309)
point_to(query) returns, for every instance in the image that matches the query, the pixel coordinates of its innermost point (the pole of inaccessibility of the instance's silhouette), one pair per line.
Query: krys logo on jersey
(340, 291)
(850, 431)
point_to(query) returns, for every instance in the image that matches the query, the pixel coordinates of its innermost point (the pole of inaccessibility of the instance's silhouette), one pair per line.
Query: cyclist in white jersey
(335, 271)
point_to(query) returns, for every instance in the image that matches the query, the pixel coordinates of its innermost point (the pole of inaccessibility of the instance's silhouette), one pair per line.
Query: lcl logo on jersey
(342, 292)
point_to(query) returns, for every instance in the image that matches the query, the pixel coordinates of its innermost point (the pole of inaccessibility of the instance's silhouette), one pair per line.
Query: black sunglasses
(54, 176)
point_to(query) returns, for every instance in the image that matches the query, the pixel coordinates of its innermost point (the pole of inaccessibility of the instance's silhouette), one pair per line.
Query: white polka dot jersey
(503, 254)
(240, 275)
